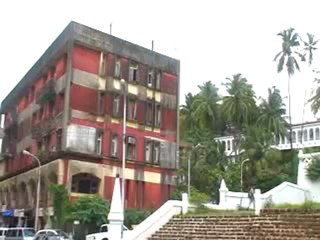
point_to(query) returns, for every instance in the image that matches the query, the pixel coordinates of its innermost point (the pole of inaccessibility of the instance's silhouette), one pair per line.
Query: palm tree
(238, 106)
(186, 115)
(206, 106)
(309, 47)
(290, 42)
(240, 102)
(271, 113)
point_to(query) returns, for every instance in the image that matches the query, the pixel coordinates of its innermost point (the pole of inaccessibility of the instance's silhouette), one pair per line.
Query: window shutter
(124, 68)
(108, 99)
(143, 74)
(110, 62)
(141, 112)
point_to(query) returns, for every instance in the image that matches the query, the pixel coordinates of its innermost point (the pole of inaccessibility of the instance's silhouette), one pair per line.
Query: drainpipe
(66, 105)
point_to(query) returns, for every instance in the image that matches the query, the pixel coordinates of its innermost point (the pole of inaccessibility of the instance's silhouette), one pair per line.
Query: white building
(303, 135)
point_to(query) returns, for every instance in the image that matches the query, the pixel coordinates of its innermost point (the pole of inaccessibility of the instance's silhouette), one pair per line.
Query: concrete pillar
(185, 203)
(257, 201)
(223, 190)
(116, 214)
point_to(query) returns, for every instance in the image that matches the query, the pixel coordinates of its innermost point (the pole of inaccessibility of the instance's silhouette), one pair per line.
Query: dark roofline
(93, 38)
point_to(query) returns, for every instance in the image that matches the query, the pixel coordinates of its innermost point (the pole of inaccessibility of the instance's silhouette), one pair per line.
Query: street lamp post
(241, 174)
(25, 152)
(124, 126)
(189, 168)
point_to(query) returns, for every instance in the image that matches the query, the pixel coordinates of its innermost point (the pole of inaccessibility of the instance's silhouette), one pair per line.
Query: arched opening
(85, 183)
(317, 134)
(5, 199)
(300, 136)
(13, 197)
(23, 200)
(294, 137)
(33, 192)
(305, 135)
(311, 134)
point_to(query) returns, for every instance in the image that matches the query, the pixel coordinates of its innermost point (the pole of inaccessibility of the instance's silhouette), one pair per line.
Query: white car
(51, 234)
(103, 234)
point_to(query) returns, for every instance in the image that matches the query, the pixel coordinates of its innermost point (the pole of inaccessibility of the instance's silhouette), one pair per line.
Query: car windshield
(28, 232)
(62, 233)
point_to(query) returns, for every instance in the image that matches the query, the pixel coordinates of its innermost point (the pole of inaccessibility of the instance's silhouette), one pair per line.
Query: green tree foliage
(205, 106)
(91, 209)
(271, 114)
(133, 216)
(235, 114)
(59, 196)
(238, 106)
(313, 170)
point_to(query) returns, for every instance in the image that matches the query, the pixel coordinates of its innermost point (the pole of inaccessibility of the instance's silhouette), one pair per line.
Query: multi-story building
(68, 111)
(303, 136)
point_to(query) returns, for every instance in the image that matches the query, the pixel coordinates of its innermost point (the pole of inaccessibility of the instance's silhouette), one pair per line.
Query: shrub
(313, 170)
(134, 216)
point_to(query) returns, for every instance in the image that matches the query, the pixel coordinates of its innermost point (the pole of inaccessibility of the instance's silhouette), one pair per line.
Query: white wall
(303, 180)
(284, 193)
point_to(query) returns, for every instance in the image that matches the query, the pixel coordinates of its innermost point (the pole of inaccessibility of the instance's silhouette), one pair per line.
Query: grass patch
(307, 205)
(205, 211)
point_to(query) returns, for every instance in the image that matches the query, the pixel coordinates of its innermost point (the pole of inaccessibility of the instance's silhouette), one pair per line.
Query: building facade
(303, 136)
(68, 111)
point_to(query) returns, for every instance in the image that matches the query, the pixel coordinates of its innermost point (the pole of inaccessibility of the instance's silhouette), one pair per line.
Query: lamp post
(189, 168)
(241, 174)
(124, 126)
(25, 152)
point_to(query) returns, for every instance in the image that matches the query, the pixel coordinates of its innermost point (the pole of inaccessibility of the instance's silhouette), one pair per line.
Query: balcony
(45, 127)
(47, 92)
(11, 119)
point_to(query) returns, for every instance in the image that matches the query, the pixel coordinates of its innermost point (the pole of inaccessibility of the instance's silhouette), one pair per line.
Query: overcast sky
(212, 39)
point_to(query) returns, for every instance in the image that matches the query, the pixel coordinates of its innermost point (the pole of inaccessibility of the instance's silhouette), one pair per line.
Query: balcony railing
(47, 92)
(43, 128)
(11, 119)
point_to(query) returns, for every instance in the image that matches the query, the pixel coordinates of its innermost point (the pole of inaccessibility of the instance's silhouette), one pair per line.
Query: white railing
(156, 220)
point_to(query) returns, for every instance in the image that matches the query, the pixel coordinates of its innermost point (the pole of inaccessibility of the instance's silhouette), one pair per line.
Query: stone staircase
(273, 224)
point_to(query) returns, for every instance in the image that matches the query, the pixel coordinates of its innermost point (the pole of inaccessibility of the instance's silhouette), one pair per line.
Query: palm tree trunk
(290, 117)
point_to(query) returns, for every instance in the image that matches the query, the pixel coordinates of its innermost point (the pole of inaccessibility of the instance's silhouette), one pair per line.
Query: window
(294, 137)
(41, 115)
(228, 145)
(148, 151)
(149, 114)
(132, 109)
(100, 101)
(152, 151)
(311, 134)
(85, 183)
(45, 145)
(116, 105)
(317, 134)
(102, 66)
(31, 94)
(51, 108)
(305, 135)
(131, 148)
(157, 117)
(117, 69)
(158, 79)
(99, 142)
(114, 146)
(150, 79)
(300, 136)
(59, 139)
(133, 74)
(156, 152)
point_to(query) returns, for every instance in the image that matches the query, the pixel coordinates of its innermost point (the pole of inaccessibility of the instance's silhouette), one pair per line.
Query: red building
(68, 110)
